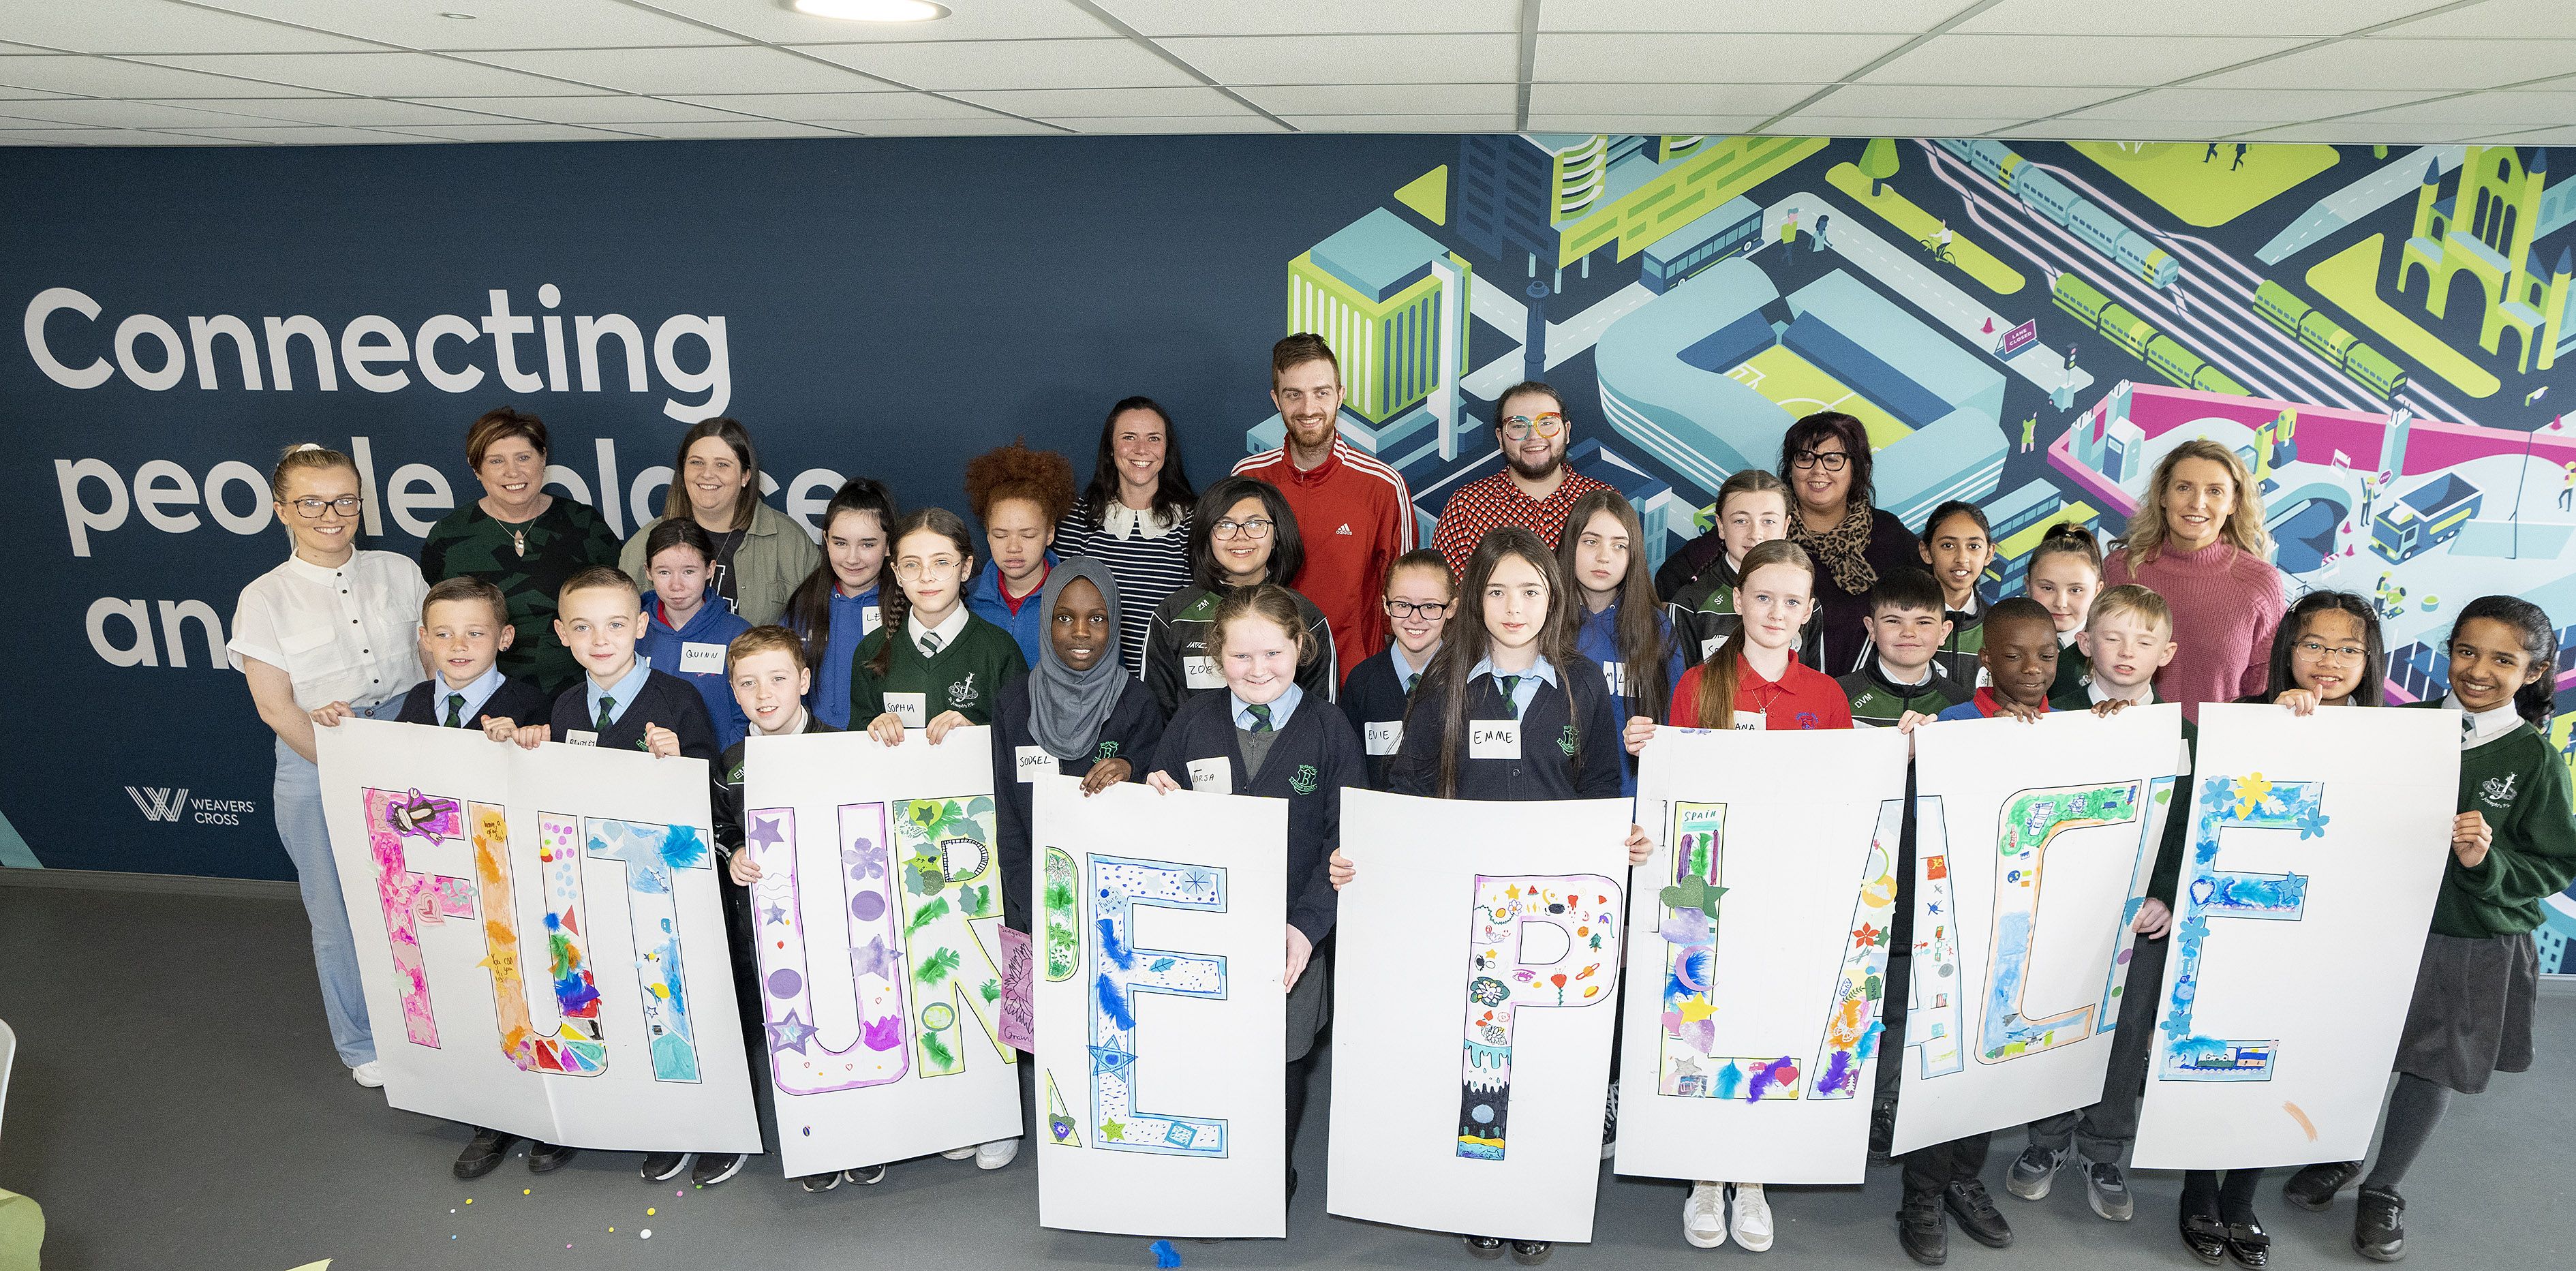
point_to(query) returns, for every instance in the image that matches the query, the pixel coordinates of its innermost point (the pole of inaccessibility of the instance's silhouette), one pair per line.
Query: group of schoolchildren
(1578, 649)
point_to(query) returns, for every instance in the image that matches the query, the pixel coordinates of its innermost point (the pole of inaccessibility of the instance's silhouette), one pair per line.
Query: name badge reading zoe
(1385, 737)
(1033, 760)
(911, 708)
(1493, 739)
(1201, 673)
(702, 659)
(1215, 776)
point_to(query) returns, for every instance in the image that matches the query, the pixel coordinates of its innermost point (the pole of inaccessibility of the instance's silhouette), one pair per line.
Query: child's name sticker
(1215, 776)
(1493, 739)
(912, 708)
(1201, 673)
(1709, 646)
(870, 618)
(576, 737)
(1616, 673)
(1385, 737)
(1749, 722)
(701, 659)
(1032, 760)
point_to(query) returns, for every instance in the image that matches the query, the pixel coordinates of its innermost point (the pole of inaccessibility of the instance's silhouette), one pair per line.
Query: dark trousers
(1931, 1168)
(747, 1000)
(2104, 1131)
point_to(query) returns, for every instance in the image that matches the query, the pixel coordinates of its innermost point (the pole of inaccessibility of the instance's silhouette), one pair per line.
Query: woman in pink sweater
(2199, 542)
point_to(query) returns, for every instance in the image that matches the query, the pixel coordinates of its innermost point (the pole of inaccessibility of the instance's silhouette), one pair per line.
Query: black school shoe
(2247, 1246)
(484, 1153)
(1968, 1202)
(2314, 1188)
(2379, 1230)
(1882, 1132)
(662, 1167)
(2206, 1237)
(546, 1158)
(1922, 1230)
(1486, 1247)
(1530, 1253)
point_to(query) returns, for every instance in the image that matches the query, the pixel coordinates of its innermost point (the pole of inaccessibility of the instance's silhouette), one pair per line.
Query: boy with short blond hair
(621, 702)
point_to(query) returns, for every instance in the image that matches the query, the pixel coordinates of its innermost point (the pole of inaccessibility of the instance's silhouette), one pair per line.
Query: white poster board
(1473, 1012)
(1161, 936)
(2310, 865)
(1752, 1022)
(539, 936)
(2033, 846)
(877, 916)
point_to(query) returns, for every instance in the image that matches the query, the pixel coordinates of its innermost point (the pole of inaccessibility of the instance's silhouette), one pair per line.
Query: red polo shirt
(1802, 698)
(1354, 517)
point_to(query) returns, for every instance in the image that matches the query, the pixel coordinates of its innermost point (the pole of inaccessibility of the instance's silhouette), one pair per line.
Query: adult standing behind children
(1357, 515)
(1534, 490)
(1135, 518)
(520, 539)
(2199, 542)
(1825, 460)
(761, 552)
(333, 624)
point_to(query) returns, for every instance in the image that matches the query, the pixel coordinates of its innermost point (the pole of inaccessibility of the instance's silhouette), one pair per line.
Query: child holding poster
(1602, 552)
(1908, 626)
(1700, 579)
(934, 665)
(2513, 844)
(2065, 575)
(1267, 736)
(2018, 663)
(1420, 596)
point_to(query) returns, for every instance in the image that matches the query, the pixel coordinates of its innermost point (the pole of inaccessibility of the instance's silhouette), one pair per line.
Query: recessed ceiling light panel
(869, 10)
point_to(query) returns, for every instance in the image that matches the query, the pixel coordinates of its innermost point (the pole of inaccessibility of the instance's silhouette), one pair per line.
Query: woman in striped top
(1135, 518)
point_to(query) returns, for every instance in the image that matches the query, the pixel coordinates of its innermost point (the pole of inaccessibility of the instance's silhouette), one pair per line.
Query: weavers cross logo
(158, 803)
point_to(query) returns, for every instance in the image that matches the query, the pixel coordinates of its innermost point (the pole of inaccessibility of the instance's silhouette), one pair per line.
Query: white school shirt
(948, 630)
(350, 634)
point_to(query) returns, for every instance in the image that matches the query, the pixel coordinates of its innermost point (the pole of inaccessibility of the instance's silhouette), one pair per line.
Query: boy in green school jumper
(1907, 632)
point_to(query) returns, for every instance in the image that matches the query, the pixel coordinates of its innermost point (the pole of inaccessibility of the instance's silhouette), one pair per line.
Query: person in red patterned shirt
(1534, 490)
(1353, 512)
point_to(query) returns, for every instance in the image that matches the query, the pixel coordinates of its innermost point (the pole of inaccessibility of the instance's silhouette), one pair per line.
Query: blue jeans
(298, 806)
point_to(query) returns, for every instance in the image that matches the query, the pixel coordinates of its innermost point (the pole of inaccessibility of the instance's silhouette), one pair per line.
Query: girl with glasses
(933, 665)
(1420, 596)
(1243, 534)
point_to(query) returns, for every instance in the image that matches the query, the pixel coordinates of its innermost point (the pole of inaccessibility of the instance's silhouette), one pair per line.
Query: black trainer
(1292, 1182)
(546, 1158)
(1530, 1253)
(715, 1168)
(1487, 1247)
(820, 1182)
(662, 1167)
(2379, 1230)
(1976, 1212)
(484, 1153)
(865, 1175)
(1922, 1230)
(2314, 1188)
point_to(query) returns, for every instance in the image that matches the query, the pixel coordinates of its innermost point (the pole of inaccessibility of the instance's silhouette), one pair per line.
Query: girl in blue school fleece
(686, 625)
(1623, 627)
(1023, 618)
(839, 604)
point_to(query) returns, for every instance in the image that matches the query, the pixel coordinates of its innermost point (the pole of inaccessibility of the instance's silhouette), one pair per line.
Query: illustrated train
(2140, 337)
(2367, 366)
(2050, 197)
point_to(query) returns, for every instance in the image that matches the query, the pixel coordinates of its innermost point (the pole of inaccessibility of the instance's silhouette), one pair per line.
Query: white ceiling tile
(10, 136)
(1159, 18)
(1402, 123)
(130, 114)
(1679, 59)
(1383, 99)
(306, 135)
(1954, 101)
(1353, 59)
(105, 77)
(2134, 129)
(580, 110)
(2563, 136)
(2165, 17)
(980, 126)
(2433, 65)
(342, 112)
(2352, 132)
(2088, 61)
(1652, 125)
(1109, 63)
(157, 26)
(2187, 105)
(364, 74)
(1659, 99)
(27, 94)
(1177, 125)
(682, 70)
(2515, 110)
(1743, 16)
(966, 20)
(497, 24)
(1108, 103)
(838, 108)
(708, 130)
(1880, 126)
(2498, 19)
(519, 132)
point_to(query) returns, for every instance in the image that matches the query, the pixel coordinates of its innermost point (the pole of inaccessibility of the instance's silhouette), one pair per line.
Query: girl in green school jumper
(2513, 844)
(933, 664)
(2065, 574)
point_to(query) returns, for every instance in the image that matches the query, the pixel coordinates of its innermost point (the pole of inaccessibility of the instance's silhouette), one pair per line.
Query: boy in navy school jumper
(1908, 627)
(1420, 596)
(621, 702)
(464, 627)
(686, 624)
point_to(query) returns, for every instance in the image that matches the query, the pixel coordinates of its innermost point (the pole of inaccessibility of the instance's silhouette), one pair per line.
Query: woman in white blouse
(332, 624)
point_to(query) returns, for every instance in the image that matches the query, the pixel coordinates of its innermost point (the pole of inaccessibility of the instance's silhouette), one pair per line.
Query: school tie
(456, 710)
(2468, 726)
(606, 706)
(1409, 681)
(1511, 702)
(929, 644)
(1260, 713)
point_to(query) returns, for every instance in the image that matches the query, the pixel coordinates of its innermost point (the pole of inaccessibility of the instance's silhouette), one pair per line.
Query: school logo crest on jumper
(1569, 741)
(1304, 781)
(962, 693)
(1109, 750)
(2499, 791)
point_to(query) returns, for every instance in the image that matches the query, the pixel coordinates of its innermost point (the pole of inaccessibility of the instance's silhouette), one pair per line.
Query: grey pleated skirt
(2471, 1017)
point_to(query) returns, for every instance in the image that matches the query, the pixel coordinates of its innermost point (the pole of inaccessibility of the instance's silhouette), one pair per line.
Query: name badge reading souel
(1215, 776)
(702, 659)
(1493, 739)
(1201, 673)
(912, 708)
(576, 737)
(1385, 738)
(1032, 760)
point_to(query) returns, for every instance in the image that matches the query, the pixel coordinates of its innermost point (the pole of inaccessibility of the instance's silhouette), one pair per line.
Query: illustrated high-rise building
(1371, 292)
(1559, 197)
(2487, 229)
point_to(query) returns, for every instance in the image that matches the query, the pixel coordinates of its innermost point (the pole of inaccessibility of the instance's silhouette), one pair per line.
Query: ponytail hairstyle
(809, 607)
(2070, 539)
(1468, 643)
(892, 605)
(303, 457)
(2374, 671)
(2537, 700)
(1642, 636)
(1269, 602)
(1755, 481)
(1719, 676)
(1955, 507)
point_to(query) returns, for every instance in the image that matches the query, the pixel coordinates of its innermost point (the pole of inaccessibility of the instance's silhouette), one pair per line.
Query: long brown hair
(2244, 529)
(892, 605)
(730, 431)
(1468, 643)
(1645, 647)
(1719, 676)
(809, 607)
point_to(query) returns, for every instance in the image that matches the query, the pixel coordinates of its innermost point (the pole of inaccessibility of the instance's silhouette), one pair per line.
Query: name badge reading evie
(1385, 737)
(1493, 739)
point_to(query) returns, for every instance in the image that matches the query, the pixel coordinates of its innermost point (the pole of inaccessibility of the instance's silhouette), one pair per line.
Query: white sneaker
(998, 1153)
(1704, 1215)
(958, 1153)
(370, 1074)
(1752, 1218)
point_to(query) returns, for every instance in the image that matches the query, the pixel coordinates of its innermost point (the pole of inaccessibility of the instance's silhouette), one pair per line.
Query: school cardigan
(966, 676)
(1879, 702)
(1802, 698)
(665, 699)
(1147, 569)
(2074, 671)
(1570, 742)
(1134, 725)
(2518, 783)
(2226, 604)
(1315, 756)
(1178, 639)
(726, 798)
(713, 626)
(1373, 699)
(517, 701)
(775, 554)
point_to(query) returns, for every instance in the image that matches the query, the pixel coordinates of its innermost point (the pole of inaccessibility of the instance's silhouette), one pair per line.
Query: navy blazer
(665, 699)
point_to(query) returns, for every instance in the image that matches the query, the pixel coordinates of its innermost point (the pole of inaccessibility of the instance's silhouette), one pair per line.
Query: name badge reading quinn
(702, 659)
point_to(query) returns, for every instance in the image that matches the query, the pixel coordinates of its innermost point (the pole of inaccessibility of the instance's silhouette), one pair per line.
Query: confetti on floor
(649, 1211)
(647, 1233)
(1164, 1254)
